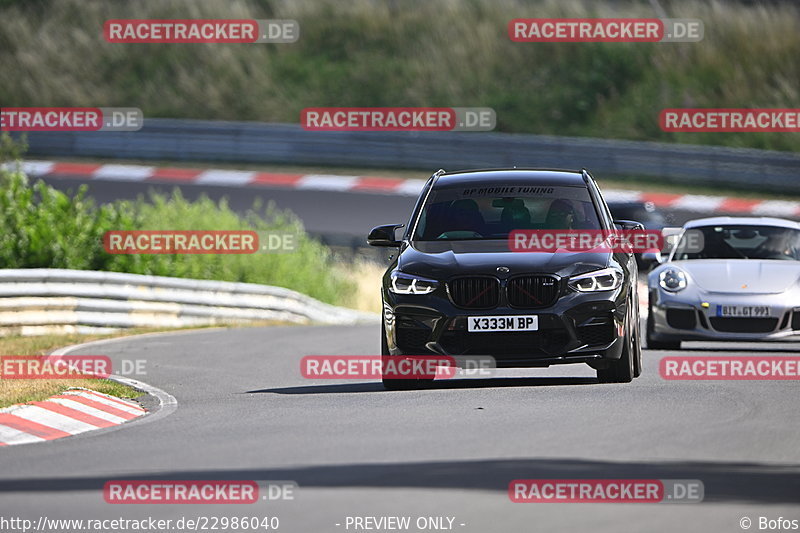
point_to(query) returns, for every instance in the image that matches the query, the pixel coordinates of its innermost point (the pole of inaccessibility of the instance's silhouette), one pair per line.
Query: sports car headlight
(408, 284)
(672, 280)
(606, 279)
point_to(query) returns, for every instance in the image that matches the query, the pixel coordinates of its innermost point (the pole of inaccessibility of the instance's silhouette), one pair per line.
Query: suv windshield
(473, 213)
(741, 242)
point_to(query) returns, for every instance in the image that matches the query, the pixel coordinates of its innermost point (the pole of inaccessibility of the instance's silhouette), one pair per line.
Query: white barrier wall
(42, 301)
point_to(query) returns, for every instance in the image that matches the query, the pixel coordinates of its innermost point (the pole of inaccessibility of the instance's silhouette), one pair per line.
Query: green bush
(45, 228)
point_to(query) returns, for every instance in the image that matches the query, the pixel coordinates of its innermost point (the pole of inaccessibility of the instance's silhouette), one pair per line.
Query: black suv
(456, 288)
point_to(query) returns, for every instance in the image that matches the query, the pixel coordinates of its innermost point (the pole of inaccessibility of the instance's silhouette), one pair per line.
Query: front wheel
(652, 343)
(392, 383)
(622, 370)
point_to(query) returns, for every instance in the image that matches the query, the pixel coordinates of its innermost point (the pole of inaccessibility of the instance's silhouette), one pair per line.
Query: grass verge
(13, 391)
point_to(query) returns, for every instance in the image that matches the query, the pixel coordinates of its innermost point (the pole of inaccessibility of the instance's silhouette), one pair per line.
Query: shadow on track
(444, 384)
(725, 482)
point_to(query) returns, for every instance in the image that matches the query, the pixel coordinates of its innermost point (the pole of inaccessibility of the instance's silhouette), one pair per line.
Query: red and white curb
(380, 185)
(70, 413)
(80, 410)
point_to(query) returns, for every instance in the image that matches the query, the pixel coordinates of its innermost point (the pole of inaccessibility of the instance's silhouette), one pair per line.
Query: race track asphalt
(246, 413)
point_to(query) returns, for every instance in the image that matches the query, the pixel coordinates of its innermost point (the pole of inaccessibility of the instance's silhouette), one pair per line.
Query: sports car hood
(443, 259)
(742, 276)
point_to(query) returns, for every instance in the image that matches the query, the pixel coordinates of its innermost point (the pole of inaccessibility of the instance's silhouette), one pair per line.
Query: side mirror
(629, 225)
(384, 235)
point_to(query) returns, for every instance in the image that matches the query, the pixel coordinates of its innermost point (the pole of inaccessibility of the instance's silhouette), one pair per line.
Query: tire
(388, 384)
(398, 384)
(637, 351)
(637, 339)
(624, 369)
(653, 344)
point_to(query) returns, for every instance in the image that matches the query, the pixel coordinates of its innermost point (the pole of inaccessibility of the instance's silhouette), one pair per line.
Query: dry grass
(13, 391)
(16, 391)
(412, 53)
(366, 275)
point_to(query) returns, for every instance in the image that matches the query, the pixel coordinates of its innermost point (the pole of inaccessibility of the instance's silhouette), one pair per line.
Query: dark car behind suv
(456, 288)
(645, 213)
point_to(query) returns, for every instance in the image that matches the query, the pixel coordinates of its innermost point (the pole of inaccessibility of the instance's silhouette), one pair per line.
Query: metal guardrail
(39, 301)
(251, 142)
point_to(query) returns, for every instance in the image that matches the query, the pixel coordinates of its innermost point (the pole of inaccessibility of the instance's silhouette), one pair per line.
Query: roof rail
(435, 175)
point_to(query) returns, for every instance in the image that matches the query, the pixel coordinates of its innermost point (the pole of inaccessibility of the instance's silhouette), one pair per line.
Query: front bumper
(578, 328)
(685, 317)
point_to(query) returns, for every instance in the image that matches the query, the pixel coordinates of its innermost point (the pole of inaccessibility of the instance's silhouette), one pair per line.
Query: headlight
(606, 279)
(672, 280)
(407, 284)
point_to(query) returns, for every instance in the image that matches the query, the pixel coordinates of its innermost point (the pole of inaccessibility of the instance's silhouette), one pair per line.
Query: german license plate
(480, 324)
(744, 311)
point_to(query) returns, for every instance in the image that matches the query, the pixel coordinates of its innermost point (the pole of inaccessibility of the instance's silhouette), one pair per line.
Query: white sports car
(727, 279)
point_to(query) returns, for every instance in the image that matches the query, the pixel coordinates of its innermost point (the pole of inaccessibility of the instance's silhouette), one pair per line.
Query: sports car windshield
(741, 242)
(478, 213)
